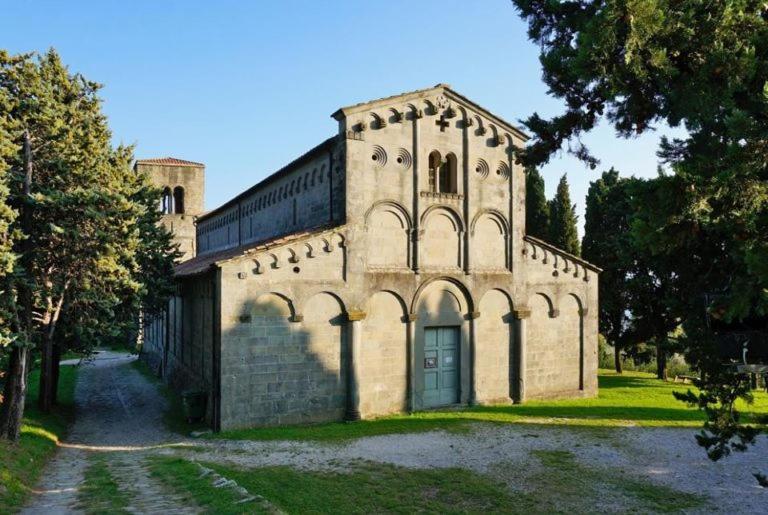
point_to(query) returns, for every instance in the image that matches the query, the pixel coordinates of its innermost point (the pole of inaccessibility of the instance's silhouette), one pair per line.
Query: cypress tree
(536, 207)
(562, 220)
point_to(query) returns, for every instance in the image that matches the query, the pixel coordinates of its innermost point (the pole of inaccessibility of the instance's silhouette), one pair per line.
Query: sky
(245, 87)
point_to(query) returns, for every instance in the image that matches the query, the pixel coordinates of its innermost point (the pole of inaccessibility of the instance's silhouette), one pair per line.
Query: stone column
(583, 312)
(416, 250)
(353, 370)
(471, 317)
(520, 340)
(410, 322)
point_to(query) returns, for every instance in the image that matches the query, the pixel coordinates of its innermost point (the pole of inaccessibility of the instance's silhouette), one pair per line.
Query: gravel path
(120, 411)
(665, 456)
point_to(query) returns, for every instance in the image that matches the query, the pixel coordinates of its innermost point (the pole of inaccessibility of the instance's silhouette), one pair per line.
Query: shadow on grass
(624, 400)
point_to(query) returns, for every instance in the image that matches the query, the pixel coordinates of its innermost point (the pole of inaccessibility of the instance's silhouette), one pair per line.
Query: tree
(562, 220)
(85, 248)
(536, 207)
(704, 66)
(607, 237)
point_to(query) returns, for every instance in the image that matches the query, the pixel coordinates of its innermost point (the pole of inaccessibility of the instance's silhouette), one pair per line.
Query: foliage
(607, 243)
(23, 461)
(562, 220)
(93, 253)
(702, 66)
(536, 207)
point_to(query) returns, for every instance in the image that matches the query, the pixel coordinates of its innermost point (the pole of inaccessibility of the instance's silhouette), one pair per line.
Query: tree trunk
(45, 395)
(56, 370)
(617, 359)
(661, 362)
(14, 392)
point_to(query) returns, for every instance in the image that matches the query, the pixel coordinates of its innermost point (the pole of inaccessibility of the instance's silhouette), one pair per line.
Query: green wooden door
(441, 366)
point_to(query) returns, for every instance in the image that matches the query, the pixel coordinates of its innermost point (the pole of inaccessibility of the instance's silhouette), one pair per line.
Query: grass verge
(22, 462)
(100, 493)
(366, 488)
(634, 398)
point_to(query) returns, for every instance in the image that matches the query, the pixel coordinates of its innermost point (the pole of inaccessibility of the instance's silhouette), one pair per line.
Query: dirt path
(118, 411)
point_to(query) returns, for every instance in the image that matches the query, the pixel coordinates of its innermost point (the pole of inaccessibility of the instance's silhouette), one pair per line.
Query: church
(385, 270)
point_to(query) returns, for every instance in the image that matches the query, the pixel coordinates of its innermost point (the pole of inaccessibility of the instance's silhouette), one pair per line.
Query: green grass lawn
(634, 398)
(560, 485)
(22, 462)
(366, 488)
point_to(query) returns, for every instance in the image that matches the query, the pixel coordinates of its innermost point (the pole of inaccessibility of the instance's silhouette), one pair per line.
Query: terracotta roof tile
(167, 161)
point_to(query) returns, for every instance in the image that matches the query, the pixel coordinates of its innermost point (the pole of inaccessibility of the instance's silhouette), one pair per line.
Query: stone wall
(278, 368)
(307, 193)
(561, 351)
(333, 323)
(178, 344)
(192, 181)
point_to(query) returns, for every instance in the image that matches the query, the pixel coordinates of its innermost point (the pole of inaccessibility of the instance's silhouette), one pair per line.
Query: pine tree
(83, 225)
(562, 220)
(536, 207)
(702, 66)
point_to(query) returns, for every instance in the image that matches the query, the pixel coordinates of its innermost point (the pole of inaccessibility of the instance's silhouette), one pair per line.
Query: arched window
(178, 200)
(448, 182)
(434, 169)
(166, 202)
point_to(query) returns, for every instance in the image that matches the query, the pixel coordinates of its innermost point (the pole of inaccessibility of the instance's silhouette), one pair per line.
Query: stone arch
(178, 200)
(490, 237)
(273, 304)
(442, 334)
(324, 336)
(449, 177)
(387, 221)
(166, 201)
(395, 116)
(384, 355)
(493, 136)
(464, 297)
(441, 241)
(495, 370)
(434, 162)
(551, 308)
(413, 111)
(480, 127)
(429, 108)
(573, 319)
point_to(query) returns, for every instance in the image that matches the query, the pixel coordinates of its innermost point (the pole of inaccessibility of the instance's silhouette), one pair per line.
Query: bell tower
(183, 185)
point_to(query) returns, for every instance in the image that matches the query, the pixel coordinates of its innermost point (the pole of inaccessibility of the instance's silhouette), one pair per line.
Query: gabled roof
(418, 94)
(169, 161)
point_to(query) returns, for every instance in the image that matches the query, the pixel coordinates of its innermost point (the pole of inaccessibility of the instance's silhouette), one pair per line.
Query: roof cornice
(426, 93)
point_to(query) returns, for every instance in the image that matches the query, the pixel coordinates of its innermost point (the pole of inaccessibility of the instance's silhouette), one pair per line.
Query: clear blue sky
(247, 86)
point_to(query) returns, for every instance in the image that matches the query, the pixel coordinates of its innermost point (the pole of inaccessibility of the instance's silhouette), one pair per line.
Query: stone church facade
(385, 270)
